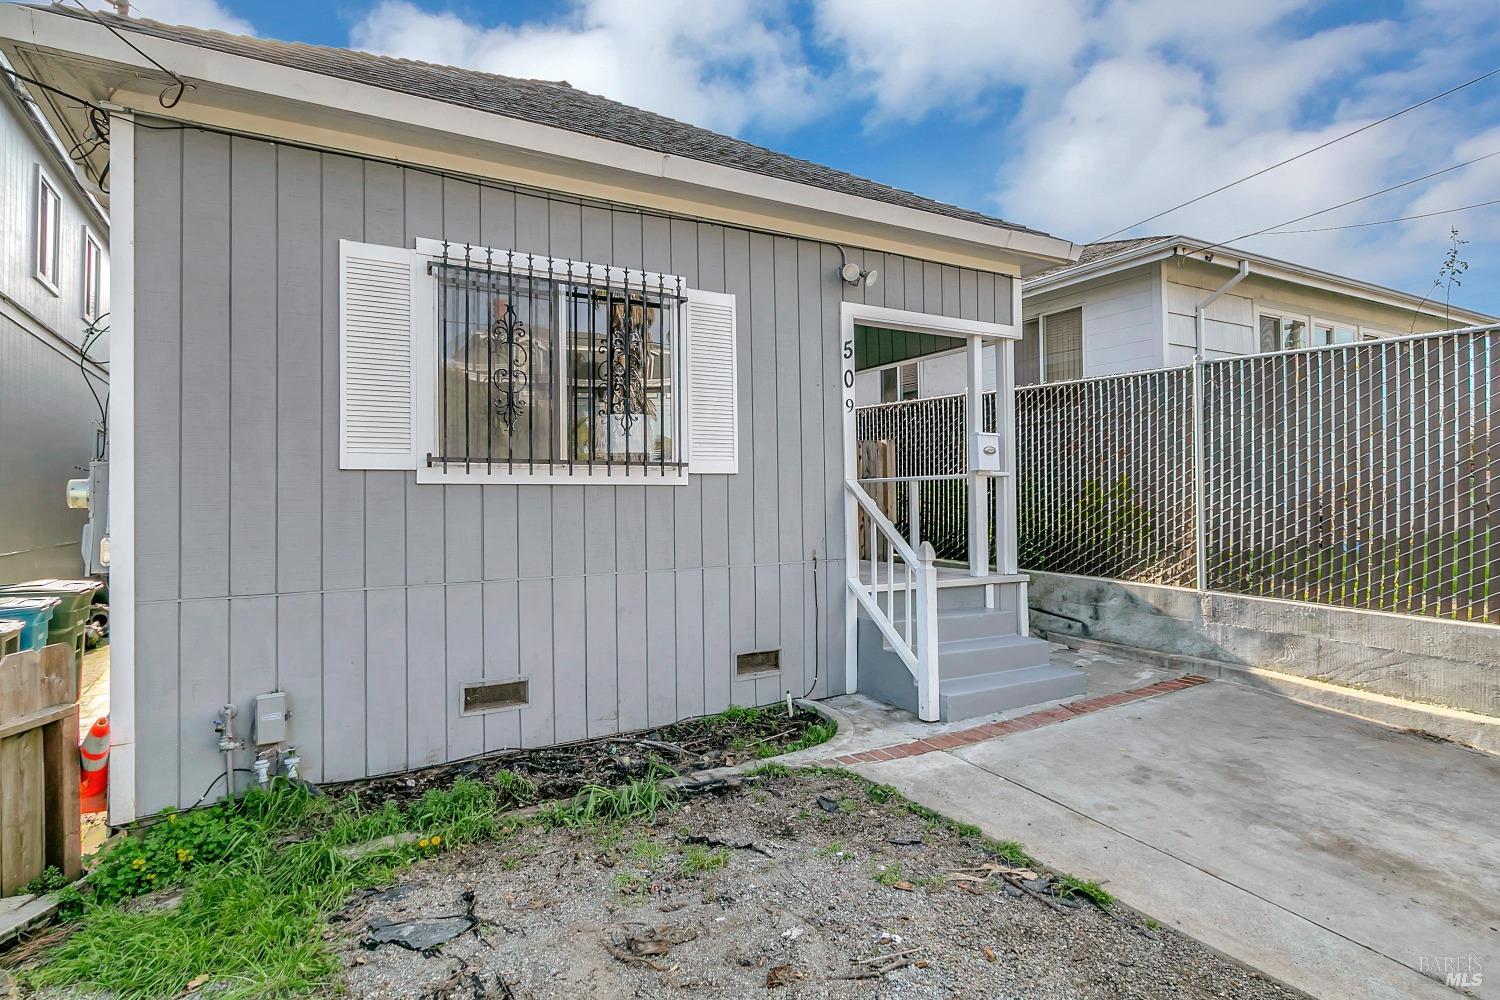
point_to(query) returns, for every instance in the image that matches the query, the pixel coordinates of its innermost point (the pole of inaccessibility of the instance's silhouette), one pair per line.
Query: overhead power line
(1305, 152)
(1345, 204)
(1383, 222)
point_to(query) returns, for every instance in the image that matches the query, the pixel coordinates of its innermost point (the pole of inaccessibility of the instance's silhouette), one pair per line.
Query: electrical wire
(1305, 152)
(817, 629)
(1383, 222)
(1345, 204)
(181, 84)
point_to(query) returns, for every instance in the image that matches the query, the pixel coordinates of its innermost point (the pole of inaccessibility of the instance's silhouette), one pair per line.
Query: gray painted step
(968, 697)
(966, 623)
(989, 655)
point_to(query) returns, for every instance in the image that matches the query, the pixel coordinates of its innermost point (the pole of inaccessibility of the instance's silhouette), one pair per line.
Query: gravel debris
(853, 902)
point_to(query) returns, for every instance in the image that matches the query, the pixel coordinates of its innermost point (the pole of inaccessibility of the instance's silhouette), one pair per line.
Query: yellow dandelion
(424, 843)
(184, 855)
(138, 864)
(150, 876)
(436, 840)
(172, 818)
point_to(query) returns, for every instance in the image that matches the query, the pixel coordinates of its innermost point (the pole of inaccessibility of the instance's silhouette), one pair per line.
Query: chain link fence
(1360, 476)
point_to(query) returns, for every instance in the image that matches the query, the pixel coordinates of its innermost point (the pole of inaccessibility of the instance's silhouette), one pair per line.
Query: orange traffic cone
(93, 755)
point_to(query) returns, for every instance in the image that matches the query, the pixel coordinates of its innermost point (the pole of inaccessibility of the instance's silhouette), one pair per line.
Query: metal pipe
(1200, 521)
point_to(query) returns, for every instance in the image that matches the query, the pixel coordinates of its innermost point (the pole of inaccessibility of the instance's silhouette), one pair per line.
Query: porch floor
(947, 576)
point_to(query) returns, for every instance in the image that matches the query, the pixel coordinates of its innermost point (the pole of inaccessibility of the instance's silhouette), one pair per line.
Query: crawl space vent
(765, 661)
(489, 697)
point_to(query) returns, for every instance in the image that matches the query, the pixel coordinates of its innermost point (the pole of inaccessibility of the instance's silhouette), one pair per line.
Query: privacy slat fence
(1361, 476)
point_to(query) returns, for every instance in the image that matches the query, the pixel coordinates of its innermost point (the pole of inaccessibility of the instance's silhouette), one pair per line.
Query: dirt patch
(797, 886)
(556, 772)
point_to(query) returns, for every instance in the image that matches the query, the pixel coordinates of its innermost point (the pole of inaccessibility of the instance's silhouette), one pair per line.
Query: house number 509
(849, 375)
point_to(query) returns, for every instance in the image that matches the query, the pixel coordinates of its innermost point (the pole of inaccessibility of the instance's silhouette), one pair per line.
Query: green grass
(648, 853)
(259, 878)
(888, 875)
(700, 860)
(1095, 893)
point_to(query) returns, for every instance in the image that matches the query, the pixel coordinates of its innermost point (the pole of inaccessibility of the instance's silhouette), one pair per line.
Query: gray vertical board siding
(299, 371)
(205, 363)
(661, 648)
(741, 607)
(601, 694)
(624, 606)
(252, 655)
(570, 623)
(346, 685)
(252, 365)
(203, 690)
(463, 506)
(1004, 299)
(299, 666)
(158, 746)
(718, 662)
(426, 700)
(630, 650)
(740, 526)
(343, 527)
(502, 730)
(464, 660)
(536, 630)
(688, 651)
(788, 409)
(158, 372)
(425, 543)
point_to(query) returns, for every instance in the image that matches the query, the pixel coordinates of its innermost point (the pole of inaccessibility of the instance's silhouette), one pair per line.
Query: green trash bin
(70, 621)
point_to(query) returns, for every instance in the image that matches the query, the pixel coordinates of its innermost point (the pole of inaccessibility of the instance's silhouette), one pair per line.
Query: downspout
(1200, 522)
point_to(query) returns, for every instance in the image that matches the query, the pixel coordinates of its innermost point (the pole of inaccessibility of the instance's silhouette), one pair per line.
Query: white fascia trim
(32, 26)
(122, 705)
(851, 313)
(1266, 267)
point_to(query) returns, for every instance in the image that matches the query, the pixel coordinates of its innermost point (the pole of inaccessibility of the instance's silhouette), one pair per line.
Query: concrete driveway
(1338, 856)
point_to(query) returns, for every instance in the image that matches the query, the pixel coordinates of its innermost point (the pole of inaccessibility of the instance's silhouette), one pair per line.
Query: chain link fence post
(1200, 514)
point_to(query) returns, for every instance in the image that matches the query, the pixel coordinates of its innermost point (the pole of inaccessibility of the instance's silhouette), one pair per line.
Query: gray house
(455, 412)
(54, 265)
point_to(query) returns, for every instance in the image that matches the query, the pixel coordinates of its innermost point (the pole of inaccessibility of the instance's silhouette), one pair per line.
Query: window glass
(1283, 333)
(48, 210)
(537, 369)
(93, 282)
(889, 385)
(1062, 343)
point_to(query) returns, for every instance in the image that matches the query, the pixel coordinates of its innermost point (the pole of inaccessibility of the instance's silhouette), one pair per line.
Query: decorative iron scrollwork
(512, 380)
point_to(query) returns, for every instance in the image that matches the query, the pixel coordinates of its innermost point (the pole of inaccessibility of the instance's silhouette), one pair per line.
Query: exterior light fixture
(855, 275)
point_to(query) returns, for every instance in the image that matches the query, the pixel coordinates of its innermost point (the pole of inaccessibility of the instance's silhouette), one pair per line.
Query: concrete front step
(985, 694)
(963, 623)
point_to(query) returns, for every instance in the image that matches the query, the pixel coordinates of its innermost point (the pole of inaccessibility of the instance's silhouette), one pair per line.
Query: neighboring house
(474, 412)
(54, 265)
(1130, 305)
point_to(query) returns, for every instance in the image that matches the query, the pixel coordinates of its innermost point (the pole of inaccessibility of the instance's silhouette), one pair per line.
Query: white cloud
(198, 13)
(953, 54)
(725, 65)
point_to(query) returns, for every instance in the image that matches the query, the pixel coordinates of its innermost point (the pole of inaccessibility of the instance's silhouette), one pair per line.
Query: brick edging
(1020, 724)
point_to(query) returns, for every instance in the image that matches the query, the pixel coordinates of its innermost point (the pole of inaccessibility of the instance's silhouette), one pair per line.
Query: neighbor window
(540, 367)
(1062, 345)
(1326, 333)
(93, 277)
(1282, 333)
(899, 382)
(48, 216)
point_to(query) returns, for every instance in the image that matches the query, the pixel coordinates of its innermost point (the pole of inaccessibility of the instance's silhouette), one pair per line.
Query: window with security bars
(538, 368)
(472, 364)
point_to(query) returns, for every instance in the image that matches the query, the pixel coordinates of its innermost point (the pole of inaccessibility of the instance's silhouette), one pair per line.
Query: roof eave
(1229, 258)
(283, 88)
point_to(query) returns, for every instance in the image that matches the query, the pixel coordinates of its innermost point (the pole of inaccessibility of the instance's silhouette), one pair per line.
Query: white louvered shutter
(712, 409)
(377, 405)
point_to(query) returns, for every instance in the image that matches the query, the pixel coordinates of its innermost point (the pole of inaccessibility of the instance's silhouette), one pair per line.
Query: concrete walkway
(1338, 856)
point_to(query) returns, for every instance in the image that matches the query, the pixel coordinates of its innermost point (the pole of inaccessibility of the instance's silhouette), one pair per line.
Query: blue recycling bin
(34, 614)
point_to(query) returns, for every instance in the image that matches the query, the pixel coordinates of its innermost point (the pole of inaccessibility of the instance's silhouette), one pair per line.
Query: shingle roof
(1098, 251)
(545, 102)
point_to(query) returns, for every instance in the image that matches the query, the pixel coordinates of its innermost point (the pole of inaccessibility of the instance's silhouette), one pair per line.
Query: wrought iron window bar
(597, 348)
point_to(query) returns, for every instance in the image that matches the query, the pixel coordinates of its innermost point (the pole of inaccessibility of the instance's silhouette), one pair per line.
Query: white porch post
(979, 542)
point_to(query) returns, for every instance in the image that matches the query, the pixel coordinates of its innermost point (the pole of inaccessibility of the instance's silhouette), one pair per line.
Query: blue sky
(1074, 116)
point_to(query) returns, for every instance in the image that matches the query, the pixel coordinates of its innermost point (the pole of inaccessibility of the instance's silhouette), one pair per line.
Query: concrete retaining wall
(1453, 664)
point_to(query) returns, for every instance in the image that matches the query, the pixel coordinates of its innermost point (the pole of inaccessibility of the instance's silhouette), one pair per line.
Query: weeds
(1095, 893)
(888, 875)
(642, 799)
(648, 853)
(698, 860)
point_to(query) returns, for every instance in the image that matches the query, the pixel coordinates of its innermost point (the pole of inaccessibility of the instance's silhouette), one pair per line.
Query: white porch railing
(910, 579)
